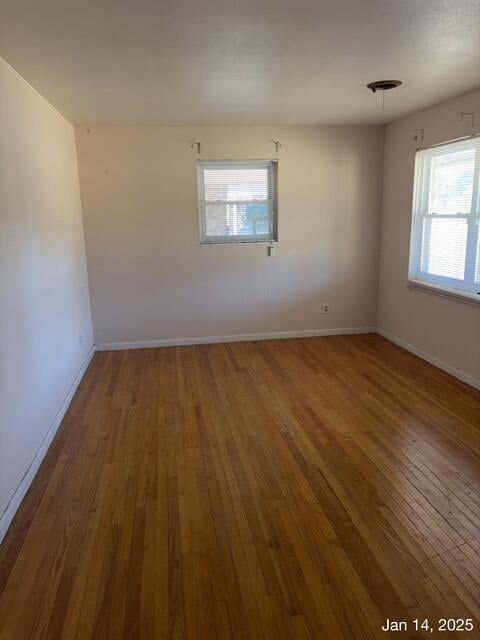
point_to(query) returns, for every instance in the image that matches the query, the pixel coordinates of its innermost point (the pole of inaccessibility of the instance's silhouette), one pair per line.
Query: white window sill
(460, 296)
(239, 243)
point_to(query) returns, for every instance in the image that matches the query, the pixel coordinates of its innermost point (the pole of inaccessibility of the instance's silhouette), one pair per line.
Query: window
(237, 201)
(444, 249)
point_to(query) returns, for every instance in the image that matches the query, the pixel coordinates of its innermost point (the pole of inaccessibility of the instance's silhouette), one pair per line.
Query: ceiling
(241, 61)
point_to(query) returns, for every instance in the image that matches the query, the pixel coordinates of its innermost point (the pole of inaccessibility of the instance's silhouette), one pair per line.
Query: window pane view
(237, 201)
(236, 219)
(451, 183)
(445, 245)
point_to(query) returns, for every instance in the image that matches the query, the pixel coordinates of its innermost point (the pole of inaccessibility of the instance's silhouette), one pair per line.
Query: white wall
(444, 329)
(45, 325)
(149, 278)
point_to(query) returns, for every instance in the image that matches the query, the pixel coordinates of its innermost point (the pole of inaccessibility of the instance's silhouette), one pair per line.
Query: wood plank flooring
(282, 489)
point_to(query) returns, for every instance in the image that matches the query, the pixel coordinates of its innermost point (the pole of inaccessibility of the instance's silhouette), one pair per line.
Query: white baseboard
(27, 479)
(246, 337)
(456, 373)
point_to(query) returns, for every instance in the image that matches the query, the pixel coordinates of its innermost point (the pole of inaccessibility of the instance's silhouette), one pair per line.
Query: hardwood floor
(283, 489)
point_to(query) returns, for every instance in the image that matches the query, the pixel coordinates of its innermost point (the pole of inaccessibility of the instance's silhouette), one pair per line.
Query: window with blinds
(237, 201)
(445, 249)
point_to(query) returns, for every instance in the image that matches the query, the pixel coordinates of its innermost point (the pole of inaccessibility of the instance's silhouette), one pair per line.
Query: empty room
(239, 319)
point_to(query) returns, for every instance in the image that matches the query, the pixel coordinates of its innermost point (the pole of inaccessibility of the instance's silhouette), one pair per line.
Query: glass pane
(451, 182)
(237, 219)
(444, 247)
(236, 184)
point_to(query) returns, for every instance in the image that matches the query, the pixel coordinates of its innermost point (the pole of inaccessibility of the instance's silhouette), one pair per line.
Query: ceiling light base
(383, 85)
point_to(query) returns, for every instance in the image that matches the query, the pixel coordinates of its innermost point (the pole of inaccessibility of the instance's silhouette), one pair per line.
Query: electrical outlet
(326, 308)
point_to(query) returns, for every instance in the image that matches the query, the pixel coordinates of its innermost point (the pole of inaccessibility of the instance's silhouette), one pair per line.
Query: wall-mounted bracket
(278, 145)
(418, 137)
(196, 145)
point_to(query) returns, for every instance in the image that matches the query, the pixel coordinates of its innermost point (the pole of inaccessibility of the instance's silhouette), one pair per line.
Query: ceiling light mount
(383, 85)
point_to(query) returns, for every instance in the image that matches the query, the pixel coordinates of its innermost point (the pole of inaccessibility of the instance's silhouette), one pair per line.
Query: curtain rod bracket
(196, 145)
(277, 143)
(418, 137)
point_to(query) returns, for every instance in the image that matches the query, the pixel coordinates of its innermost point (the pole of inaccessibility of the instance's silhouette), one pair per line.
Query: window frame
(208, 241)
(468, 289)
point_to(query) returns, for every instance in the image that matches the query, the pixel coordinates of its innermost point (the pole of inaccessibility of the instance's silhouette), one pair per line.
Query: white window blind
(445, 249)
(237, 201)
